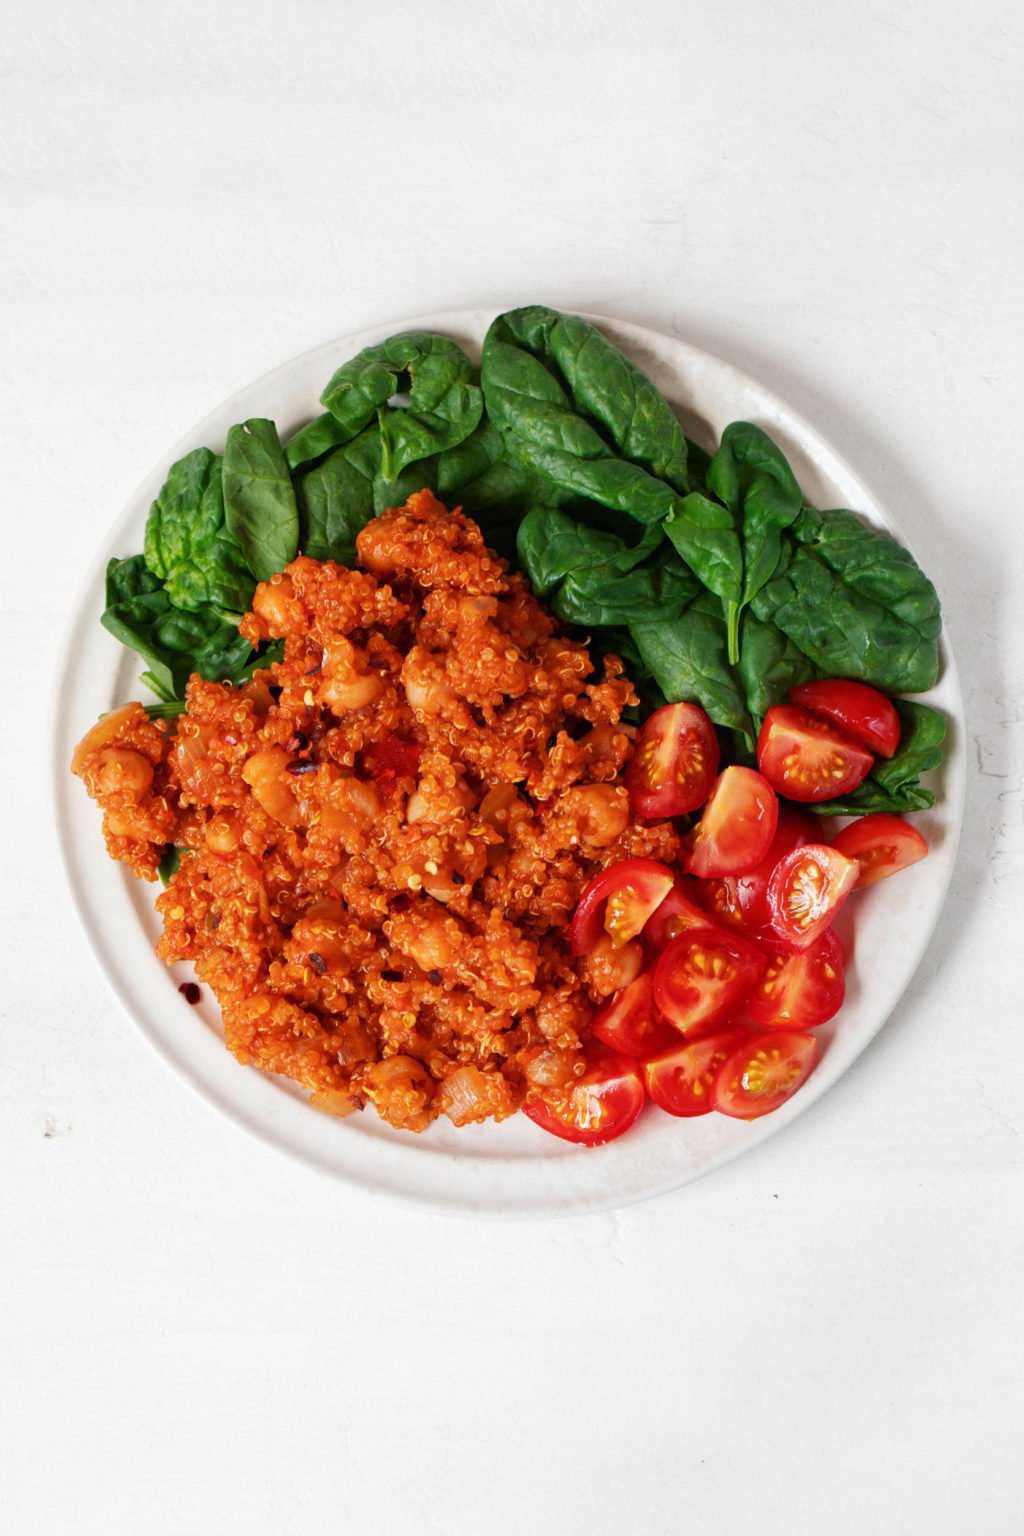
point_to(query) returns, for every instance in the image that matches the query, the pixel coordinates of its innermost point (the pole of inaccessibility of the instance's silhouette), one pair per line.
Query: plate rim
(240, 1115)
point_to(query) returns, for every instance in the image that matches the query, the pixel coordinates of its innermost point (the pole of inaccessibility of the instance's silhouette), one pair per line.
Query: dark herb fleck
(301, 765)
(457, 878)
(317, 961)
(434, 977)
(190, 992)
(391, 976)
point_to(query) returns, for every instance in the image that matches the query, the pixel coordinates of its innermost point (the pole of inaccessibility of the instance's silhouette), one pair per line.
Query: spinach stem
(732, 620)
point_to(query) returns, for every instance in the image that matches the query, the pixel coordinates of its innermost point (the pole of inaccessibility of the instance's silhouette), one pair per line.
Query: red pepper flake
(190, 992)
(317, 961)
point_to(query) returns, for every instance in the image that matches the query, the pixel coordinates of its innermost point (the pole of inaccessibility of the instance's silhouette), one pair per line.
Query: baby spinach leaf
(769, 665)
(315, 439)
(894, 783)
(600, 398)
(569, 406)
(259, 502)
(704, 534)
(335, 501)
(186, 543)
(688, 659)
(751, 475)
(855, 602)
(444, 405)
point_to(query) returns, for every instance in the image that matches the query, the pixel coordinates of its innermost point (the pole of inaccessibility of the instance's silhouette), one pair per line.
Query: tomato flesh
(862, 711)
(807, 890)
(628, 1022)
(800, 990)
(680, 910)
(736, 829)
(702, 976)
(618, 902)
(806, 757)
(763, 1072)
(674, 762)
(679, 1079)
(742, 900)
(882, 845)
(600, 1106)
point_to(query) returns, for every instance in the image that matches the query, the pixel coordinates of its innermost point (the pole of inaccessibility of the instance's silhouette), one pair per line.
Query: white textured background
(198, 1337)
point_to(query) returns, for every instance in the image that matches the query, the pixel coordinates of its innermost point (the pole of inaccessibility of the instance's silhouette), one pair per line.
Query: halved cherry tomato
(679, 1079)
(806, 757)
(867, 714)
(703, 976)
(763, 1073)
(628, 1022)
(742, 900)
(618, 902)
(602, 1104)
(807, 890)
(800, 990)
(674, 762)
(881, 845)
(680, 910)
(737, 827)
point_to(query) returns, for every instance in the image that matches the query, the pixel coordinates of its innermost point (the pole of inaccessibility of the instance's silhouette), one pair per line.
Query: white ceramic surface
(511, 1169)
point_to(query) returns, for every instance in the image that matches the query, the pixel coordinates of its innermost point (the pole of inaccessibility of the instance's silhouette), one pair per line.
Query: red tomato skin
(736, 830)
(734, 1090)
(619, 1077)
(882, 845)
(646, 875)
(681, 909)
(678, 745)
(790, 740)
(742, 900)
(628, 1023)
(800, 989)
(695, 1004)
(865, 713)
(825, 890)
(679, 1079)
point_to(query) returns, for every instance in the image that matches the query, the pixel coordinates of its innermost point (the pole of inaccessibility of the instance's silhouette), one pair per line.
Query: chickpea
(276, 604)
(501, 807)
(222, 834)
(401, 1088)
(610, 966)
(549, 1067)
(105, 732)
(333, 1101)
(601, 812)
(425, 683)
(345, 684)
(263, 774)
(429, 802)
(121, 771)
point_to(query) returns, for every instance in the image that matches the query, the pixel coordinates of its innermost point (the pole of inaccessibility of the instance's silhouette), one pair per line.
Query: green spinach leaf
(855, 602)
(570, 407)
(186, 543)
(594, 578)
(688, 659)
(444, 405)
(769, 665)
(259, 502)
(315, 439)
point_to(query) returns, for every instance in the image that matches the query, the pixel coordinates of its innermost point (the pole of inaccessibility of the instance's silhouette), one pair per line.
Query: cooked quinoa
(385, 834)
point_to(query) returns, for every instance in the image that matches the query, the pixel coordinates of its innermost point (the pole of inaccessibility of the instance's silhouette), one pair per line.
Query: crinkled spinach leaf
(570, 406)
(444, 404)
(186, 543)
(769, 665)
(592, 578)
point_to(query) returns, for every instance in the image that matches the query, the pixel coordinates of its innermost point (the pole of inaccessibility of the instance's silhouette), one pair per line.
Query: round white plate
(514, 1168)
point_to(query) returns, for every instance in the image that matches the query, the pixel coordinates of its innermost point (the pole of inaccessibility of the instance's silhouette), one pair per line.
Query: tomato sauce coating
(384, 834)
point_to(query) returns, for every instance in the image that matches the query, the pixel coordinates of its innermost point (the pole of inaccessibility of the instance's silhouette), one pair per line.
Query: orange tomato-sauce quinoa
(384, 834)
